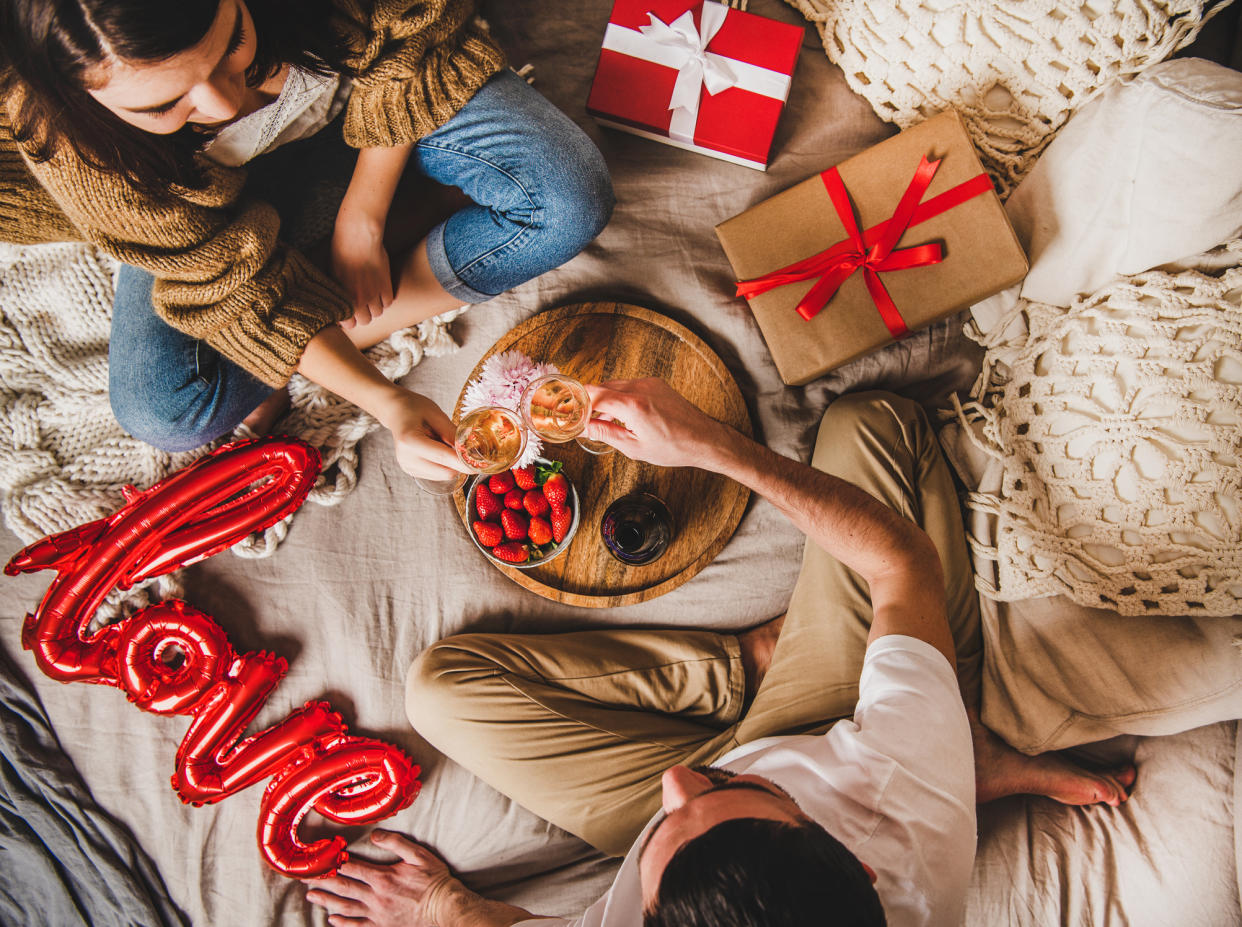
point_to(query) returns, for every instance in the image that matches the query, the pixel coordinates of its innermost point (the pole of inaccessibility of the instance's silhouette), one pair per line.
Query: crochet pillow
(1117, 425)
(1014, 69)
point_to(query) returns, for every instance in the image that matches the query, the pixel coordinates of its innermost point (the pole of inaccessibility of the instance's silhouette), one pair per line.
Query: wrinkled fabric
(63, 860)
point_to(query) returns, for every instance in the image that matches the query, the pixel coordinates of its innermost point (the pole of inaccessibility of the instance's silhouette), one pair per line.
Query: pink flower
(501, 382)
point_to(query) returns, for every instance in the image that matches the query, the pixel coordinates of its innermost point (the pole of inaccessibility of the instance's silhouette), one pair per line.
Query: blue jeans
(540, 192)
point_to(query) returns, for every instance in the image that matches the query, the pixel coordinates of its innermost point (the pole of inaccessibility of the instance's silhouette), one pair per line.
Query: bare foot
(1001, 770)
(261, 420)
(757, 646)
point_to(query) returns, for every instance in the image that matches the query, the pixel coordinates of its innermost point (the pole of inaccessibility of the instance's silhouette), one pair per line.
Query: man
(771, 814)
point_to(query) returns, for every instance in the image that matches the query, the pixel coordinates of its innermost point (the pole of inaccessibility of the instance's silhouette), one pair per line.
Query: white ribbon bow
(683, 47)
(697, 68)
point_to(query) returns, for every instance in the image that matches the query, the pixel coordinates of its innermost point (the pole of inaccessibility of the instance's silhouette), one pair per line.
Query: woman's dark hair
(751, 872)
(49, 47)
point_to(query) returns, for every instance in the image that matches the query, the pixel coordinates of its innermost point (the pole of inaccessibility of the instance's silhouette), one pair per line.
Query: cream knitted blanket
(63, 457)
(1118, 426)
(1015, 69)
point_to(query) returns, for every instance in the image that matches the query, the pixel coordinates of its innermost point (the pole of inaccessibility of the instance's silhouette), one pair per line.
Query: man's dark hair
(751, 872)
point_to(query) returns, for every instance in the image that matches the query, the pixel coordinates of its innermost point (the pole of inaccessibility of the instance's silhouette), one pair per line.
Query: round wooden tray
(596, 342)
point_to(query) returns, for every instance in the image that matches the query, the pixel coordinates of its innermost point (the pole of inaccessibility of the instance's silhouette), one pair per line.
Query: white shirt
(896, 785)
(307, 102)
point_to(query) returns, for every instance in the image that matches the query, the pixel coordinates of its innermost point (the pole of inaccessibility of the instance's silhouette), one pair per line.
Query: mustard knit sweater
(222, 274)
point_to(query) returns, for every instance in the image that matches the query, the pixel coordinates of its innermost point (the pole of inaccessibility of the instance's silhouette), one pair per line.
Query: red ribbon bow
(871, 251)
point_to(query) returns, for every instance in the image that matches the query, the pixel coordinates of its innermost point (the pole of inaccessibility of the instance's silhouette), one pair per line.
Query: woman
(133, 117)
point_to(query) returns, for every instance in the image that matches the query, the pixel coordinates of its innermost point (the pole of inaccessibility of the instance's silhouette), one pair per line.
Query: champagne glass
(557, 408)
(488, 440)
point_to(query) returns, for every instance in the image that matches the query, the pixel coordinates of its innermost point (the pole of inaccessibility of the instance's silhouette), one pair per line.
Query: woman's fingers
(440, 457)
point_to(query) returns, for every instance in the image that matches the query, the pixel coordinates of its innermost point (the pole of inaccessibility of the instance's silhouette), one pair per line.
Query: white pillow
(1147, 173)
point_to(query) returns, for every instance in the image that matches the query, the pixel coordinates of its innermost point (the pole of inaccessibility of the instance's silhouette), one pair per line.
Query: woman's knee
(160, 421)
(580, 200)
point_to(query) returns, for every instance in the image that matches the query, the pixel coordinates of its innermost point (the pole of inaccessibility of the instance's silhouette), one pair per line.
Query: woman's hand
(409, 892)
(423, 435)
(360, 263)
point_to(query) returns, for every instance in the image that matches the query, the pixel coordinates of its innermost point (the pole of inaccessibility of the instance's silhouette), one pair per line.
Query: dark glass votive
(637, 528)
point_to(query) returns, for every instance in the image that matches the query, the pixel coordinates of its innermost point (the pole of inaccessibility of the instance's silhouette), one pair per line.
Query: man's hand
(405, 893)
(416, 890)
(653, 422)
(360, 263)
(422, 435)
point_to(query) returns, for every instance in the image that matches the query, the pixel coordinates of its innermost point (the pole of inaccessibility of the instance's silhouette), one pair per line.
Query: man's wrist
(450, 904)
(723, 451)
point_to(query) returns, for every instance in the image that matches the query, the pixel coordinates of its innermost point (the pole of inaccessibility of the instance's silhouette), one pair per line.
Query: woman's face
(205, 84)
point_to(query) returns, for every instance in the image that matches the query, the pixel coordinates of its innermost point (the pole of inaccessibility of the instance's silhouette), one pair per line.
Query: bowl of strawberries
(523, 517)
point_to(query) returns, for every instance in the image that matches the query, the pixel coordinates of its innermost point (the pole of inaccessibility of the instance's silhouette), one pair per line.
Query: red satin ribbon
(871, 251)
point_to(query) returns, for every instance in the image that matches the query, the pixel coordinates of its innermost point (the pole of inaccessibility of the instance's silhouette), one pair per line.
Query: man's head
(737, 851)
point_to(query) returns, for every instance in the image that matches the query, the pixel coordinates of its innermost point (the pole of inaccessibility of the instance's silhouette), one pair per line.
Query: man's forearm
(849, 523)
(895, 557)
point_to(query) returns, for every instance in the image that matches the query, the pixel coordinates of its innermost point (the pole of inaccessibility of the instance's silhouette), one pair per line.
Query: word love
(172, 659)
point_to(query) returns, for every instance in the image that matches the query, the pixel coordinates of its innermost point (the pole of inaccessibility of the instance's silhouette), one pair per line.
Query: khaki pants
(579, 727)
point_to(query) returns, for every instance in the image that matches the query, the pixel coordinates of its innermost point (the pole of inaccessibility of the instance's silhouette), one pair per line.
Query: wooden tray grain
(596, 342)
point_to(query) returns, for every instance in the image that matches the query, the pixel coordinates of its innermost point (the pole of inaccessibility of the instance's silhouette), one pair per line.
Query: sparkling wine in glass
(557, 408)
(490, 439)
(487, 440)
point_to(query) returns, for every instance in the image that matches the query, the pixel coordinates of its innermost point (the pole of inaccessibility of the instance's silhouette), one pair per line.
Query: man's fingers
(341, 885)
(609, 432)
(409, 851)
(610, 401)
(335, 904)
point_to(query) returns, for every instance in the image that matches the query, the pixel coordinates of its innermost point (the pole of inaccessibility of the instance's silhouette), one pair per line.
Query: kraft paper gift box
(824, 295)
(695, 75)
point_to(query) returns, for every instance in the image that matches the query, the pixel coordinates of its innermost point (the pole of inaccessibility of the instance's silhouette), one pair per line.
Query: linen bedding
(355, 592)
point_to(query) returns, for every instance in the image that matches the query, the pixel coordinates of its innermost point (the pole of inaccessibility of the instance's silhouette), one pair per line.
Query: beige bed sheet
(357, 591)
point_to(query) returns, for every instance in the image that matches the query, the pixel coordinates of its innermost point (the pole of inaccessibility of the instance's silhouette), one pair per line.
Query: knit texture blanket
(1015, 69)
(1118, 426)
(64, 460)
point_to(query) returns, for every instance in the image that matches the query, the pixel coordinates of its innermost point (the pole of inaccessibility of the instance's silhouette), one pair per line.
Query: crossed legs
(579, 727)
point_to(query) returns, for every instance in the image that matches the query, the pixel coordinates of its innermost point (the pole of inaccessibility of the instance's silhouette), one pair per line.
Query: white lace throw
(1015, 69)
(1118, 425)
(63, 457)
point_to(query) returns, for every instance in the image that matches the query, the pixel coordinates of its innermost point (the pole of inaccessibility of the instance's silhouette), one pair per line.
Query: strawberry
(556, 488)
(488, 533)
(515, 525)
(500, 483)
(524, 477)
(511, 552)
(540, 531)
(486, 503)
(513, 499)
(535, 502)
(562, 518)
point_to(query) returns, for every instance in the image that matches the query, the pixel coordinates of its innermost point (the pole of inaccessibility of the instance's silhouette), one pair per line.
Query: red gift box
(695, 75)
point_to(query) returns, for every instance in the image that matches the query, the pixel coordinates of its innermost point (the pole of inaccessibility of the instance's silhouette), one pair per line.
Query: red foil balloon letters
(172, 659)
